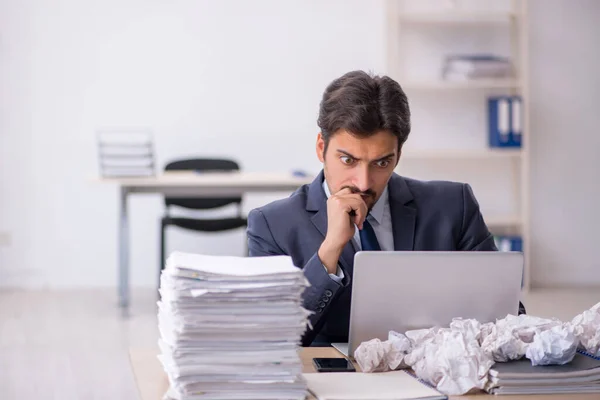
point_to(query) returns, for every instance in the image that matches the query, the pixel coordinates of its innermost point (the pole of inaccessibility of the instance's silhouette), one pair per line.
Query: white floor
(73, 344)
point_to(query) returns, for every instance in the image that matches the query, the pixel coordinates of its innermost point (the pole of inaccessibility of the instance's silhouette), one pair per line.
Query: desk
(152, 381)
(195, 184)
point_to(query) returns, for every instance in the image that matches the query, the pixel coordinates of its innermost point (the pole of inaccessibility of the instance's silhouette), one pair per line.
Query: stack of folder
(124, 153)
(581, 375)
(463, 67)
(230, 327)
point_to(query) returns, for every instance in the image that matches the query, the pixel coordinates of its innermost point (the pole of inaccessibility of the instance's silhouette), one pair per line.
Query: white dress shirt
(380, 218)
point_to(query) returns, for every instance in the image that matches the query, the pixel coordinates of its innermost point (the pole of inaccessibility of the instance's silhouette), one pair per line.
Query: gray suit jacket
(426, 216)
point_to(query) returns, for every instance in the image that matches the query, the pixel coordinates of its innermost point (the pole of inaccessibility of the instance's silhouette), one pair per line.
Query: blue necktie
(368, 240)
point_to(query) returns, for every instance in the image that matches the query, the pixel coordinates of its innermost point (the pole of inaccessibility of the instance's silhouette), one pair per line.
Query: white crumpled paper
(471, 328)
(509, 338)
(586, 327)
(378, 356)
(456, 360)
(554, 346)
(450, 359)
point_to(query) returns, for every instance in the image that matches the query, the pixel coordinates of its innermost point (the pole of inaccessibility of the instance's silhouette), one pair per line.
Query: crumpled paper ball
(370, 355)
(400, 346)
(586, 327)
(417, 336)
(377, 356)
(471, 328)
(554, 346)
(451, 359)
(509, 338)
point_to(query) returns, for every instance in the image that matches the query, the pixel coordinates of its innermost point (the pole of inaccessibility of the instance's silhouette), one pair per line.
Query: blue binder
(509, 243)
(505, 125)
(516, 118)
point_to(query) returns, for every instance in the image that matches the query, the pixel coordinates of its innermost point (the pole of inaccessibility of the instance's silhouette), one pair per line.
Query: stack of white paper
(230, 327)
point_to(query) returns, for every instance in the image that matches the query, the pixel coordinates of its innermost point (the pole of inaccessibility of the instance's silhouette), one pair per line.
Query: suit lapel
(403, 215)
(317, 201)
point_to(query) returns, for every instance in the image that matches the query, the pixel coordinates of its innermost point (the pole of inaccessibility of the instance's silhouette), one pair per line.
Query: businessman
(357, 202)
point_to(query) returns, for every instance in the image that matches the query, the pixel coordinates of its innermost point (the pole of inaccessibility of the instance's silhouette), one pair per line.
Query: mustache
(366, 193)
(354, 189)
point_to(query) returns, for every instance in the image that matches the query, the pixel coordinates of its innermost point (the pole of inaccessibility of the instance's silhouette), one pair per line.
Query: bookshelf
(457, 17)
(460, 154)
(450, 128)
(479, 84)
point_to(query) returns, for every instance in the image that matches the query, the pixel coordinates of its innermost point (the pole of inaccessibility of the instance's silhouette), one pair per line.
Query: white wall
(565, 160)
(232, 78)
(208, 75)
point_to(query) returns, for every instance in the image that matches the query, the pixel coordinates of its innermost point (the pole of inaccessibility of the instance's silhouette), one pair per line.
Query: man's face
(364, 164)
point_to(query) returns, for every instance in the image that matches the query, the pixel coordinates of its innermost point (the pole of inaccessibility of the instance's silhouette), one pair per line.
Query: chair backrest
(202, 165)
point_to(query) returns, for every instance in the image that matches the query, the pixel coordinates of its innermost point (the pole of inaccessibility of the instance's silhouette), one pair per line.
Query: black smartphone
(333, 365)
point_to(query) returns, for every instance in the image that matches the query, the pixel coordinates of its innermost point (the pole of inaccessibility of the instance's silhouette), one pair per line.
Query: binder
(516, 243)
(509, 243)
(499, 121)
(505, 121)
(516, 117)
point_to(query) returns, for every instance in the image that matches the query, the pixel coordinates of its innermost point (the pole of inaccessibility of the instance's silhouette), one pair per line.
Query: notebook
(583, 364)
(393, 385)
(581, 375)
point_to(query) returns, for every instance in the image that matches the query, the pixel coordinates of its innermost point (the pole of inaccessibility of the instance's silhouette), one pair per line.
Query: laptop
(406, 290)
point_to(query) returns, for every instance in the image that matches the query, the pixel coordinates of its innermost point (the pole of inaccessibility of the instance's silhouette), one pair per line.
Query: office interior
(242, 81)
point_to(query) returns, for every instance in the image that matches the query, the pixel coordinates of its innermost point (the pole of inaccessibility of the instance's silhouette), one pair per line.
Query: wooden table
(152, 382)
(177, 183)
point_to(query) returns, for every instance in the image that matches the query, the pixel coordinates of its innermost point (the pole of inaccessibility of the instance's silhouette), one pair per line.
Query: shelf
(503, 221)
(475, 154)
(463, 85)
(458, 18)
(504, 225)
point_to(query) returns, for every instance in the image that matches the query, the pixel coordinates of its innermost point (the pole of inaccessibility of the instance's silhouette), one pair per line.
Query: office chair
(200, 225)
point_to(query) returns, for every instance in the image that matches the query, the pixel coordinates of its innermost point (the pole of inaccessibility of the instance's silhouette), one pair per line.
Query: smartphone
(333, 365)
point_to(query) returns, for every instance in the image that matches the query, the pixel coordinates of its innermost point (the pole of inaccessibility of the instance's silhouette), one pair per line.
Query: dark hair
(364, 104)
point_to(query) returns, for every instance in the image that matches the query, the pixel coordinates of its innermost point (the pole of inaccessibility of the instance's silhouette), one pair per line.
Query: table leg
(123, 250)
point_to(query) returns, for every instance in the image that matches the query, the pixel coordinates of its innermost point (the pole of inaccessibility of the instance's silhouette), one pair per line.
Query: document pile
(230, 327)
(515, 355)
(476, 66)
(126, 153)
(580, 375)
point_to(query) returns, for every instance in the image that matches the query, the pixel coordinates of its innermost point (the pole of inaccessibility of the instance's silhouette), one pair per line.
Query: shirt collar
(377, 210)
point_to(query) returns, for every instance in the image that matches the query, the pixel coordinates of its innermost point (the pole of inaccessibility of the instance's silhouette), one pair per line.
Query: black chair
(200, 225)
